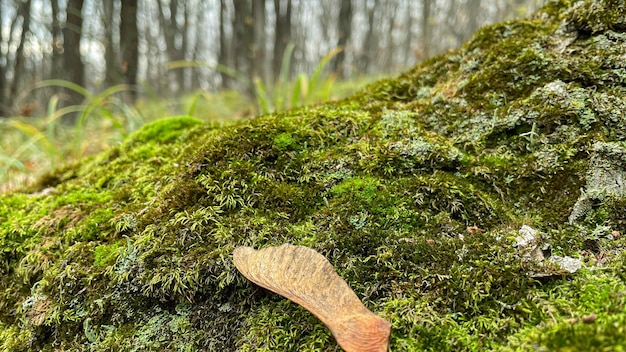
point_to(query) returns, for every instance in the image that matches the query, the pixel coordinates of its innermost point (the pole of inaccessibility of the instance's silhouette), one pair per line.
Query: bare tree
(72, 32)
(225, 51)
(408, 38)
(242, 39)
(282, 33)
(111, 54)
(390, 50)
(129, 45)
(257, 47)
(426, 27)
(57, 42)
(172, 30)
(190, 42)
(370, 44)
(20, 60)
(4, 57)
(345, 27)
(473, 11)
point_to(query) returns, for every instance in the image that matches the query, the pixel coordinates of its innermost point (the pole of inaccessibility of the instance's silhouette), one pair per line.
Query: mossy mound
(415, 190)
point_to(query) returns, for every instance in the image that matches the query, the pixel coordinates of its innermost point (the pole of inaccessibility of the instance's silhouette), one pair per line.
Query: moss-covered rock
(414, 189)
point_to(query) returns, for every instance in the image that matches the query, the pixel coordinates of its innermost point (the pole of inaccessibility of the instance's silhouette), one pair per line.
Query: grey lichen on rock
(606, 178)
(415, 188)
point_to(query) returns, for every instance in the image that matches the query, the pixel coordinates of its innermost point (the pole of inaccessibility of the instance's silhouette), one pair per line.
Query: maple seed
(307, 278)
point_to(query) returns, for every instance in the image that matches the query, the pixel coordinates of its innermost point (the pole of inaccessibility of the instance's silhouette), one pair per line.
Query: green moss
(283, 141)
(105, 254)
(414, 189)
(593, 17)
(162, 131)
(364, 188)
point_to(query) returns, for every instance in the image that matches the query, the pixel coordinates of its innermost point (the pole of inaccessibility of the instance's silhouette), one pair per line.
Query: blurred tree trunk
(454, 21)
(75, 69)
(325, 21)
(171, 29)
(56, 69)
(19, 74)
(189, 46)
(198, 45)
(370, 44)
(345, 27)
(224, 56)
(111, 49)
(282, 34)
(242, 41)
(257, 48)
(473, 9)
(390, 49)
(129, 46)
(3, 67)
(408, 44)
(426, 28)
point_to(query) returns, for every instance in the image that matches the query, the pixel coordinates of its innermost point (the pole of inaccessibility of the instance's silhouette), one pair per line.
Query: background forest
(118, 64)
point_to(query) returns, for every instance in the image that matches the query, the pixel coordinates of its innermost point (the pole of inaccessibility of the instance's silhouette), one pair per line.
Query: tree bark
(224, 56)
(282, 35)
(3, 66)
(473, 9)
(257, 47)
(345, 27)
(241, 32)
(71, 51)
(20, 59)
(188, 46)
(171, 29)
(56, 69)
(426, 6)
(409, 34)
(370, 43)
(129, 46)
(390, 47)
(111, 49)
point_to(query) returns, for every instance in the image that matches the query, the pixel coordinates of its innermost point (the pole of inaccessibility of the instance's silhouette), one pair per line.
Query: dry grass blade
(307, 278)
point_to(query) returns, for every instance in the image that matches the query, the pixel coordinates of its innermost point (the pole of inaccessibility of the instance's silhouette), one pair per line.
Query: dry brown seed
(307, 278)
(588, 319)
(474, 229)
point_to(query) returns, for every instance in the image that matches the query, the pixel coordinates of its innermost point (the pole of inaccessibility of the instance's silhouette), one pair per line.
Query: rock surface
(524, 125)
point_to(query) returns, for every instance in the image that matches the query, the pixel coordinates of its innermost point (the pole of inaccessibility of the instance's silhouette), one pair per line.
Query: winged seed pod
(307, 278)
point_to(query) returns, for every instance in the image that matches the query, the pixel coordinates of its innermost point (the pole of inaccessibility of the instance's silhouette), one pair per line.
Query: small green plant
(32, 146)
(283, 141)
(531, 137)
(283, 93)
(106, 254)
(304, 90)
(35, 145)
(106, 105)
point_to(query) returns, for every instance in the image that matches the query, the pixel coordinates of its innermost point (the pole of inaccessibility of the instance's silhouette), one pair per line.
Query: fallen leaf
(307, 278)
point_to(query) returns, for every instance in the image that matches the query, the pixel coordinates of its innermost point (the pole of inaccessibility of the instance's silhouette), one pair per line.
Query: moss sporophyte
(415, 190)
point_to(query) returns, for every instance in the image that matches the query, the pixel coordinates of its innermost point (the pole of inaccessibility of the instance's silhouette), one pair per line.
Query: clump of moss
(592, 17)
(162, 131)
(414, 188)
